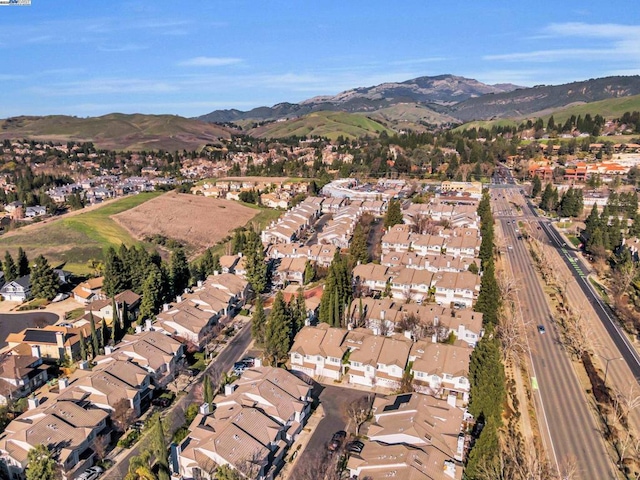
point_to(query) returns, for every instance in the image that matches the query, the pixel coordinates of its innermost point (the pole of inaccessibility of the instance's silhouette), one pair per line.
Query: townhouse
(153, 351)
(290, 270)
(411, 437)
(318, 352)
(293, 223)
(89, 290)
(321, 254)
(250, 428)
(372, 277)
(459, 289)
(53, 342)
(66, 427)
(441, 370)
(20, 375)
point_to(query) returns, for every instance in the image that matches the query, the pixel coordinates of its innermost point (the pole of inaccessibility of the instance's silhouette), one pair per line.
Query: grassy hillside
(409, 115)
(117, 131)
(75, 239)
(326, 124)
(609, 109)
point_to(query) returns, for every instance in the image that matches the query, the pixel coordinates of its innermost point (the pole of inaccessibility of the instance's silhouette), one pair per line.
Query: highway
(569, 429)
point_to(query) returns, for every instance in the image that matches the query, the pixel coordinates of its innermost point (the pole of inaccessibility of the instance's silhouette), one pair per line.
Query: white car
(90, 474)
(60, 297)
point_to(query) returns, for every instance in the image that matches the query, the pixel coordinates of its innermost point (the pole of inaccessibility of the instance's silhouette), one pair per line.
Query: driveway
(334, 401)
(16, 322)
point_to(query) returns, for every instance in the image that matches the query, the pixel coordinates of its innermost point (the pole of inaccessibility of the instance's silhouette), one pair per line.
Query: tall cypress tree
(394, 214)
(115, 278)
(23, 263)
(358, 250)
(179, 271)
(116, 329)
(95, 342)
(277, 333)
(9, 267)
(259, 323)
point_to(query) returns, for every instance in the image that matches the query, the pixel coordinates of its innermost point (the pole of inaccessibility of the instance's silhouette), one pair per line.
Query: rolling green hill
(409, 116)
(117, 131)
(325, 124)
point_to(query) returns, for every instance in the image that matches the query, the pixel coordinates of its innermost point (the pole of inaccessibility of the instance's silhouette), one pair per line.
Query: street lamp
(606, 368)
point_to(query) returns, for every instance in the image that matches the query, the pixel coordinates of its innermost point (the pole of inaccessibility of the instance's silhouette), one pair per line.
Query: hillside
(442, 90)
(411, 116)
(524, 102)
(325, 124)
(118, 131)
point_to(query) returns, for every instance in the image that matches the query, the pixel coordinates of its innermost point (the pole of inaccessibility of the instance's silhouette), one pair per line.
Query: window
(356, 364)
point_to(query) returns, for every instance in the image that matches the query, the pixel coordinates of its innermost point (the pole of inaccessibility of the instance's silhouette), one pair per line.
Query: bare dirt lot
(196, 221)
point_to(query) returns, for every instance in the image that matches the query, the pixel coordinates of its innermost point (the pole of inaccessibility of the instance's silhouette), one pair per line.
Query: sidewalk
(298, 446)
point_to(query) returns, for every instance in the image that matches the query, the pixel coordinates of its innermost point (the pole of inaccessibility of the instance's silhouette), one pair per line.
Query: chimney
(204, 408)
(382, 314)
(84, 365)
(108, 349)
(165, 307)
(240, 254)
(35, 351)
(229, 388)
(257, 362)
(215, 273)
(33, 403)
(148, 324)
(138, 329)
(63, 383)
(179, 299)
(200, 283)
(60, 339)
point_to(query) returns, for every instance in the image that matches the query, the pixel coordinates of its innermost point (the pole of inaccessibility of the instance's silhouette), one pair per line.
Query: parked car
(336, 440)
(90, 474)
(162, 402)
(355, 447)
(60, 297)
(138, 425)
(541, 329)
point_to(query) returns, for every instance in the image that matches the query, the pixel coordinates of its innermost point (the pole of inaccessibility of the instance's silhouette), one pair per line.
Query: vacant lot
(77, 237)
(196, 221)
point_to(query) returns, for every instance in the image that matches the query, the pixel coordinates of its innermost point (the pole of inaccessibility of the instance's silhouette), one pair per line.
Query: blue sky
(92, 57)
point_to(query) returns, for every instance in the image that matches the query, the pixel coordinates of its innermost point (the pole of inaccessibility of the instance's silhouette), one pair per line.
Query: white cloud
(127, 47)
(615, 42)
(97, 86)
(210, 62)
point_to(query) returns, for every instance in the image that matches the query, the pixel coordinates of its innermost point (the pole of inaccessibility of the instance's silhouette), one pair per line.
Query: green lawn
(76, 240)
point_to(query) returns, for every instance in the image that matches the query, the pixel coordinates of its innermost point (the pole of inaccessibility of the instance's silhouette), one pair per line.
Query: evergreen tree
(42, 464)
(207, 390)
(44, 281)
(300, 311)
(83, 348)
(309, 272)
(9, 267)
(238, 242)
(489, 297)
(95, 342)
(151, 294)
(179, 271)
(115, 276)
(159, 443)
(549, 200)
(257, 272)
(277, 332)
(23, 263)
(634, 230)
(536, 186)
(104, 337)
(259, 323)
(394, 214)
(116, 329)
(358, 249)
(126, 317)
(337, 292)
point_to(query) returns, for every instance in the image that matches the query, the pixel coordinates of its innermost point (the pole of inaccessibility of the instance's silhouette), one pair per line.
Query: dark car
(355, 447)
(336, 440)
(162, 402)
(541, 329)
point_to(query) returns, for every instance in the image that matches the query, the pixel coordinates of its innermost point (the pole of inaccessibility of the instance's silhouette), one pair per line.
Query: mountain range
(442, 99)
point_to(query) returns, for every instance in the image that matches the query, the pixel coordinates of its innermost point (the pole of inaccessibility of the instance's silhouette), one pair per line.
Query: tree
(277, 333)
(358, 249)
(309, 272)
(300, 311)
(151, 294)
(207, 390)
(140, 467)
(122, 414)
(337, 292)
(359, 411)
(179, 271)
(489, 297)
(225, 472)
(84, 355)
(394, 214)
(42, 465)
(95, 342)
(257, 272)
(9, 267)
(116, 328)
(23, 263)
(536, 186)
(115, 275)
(259, 323)
(159, 443)
(44, 281)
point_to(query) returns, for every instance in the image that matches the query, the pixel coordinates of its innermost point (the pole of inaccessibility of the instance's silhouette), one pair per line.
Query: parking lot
(334, 401)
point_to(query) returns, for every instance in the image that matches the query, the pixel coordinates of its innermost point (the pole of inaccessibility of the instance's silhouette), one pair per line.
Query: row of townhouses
(250, 427)
(457, 242)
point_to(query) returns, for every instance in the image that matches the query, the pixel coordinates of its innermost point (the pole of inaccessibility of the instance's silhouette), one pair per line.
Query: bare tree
(251, 466)
(569, 469)
(100, 446)
(122, 414)
(359, 411)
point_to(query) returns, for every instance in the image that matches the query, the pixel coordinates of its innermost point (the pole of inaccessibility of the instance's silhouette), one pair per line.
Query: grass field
(77, 239)
(325, 124)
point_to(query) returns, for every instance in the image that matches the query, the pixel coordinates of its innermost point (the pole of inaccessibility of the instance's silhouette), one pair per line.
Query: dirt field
(196, 221)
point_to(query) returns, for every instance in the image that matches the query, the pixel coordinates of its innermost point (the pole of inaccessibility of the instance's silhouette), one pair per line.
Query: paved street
(222, 363)
(333, 401)
(568, 425)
